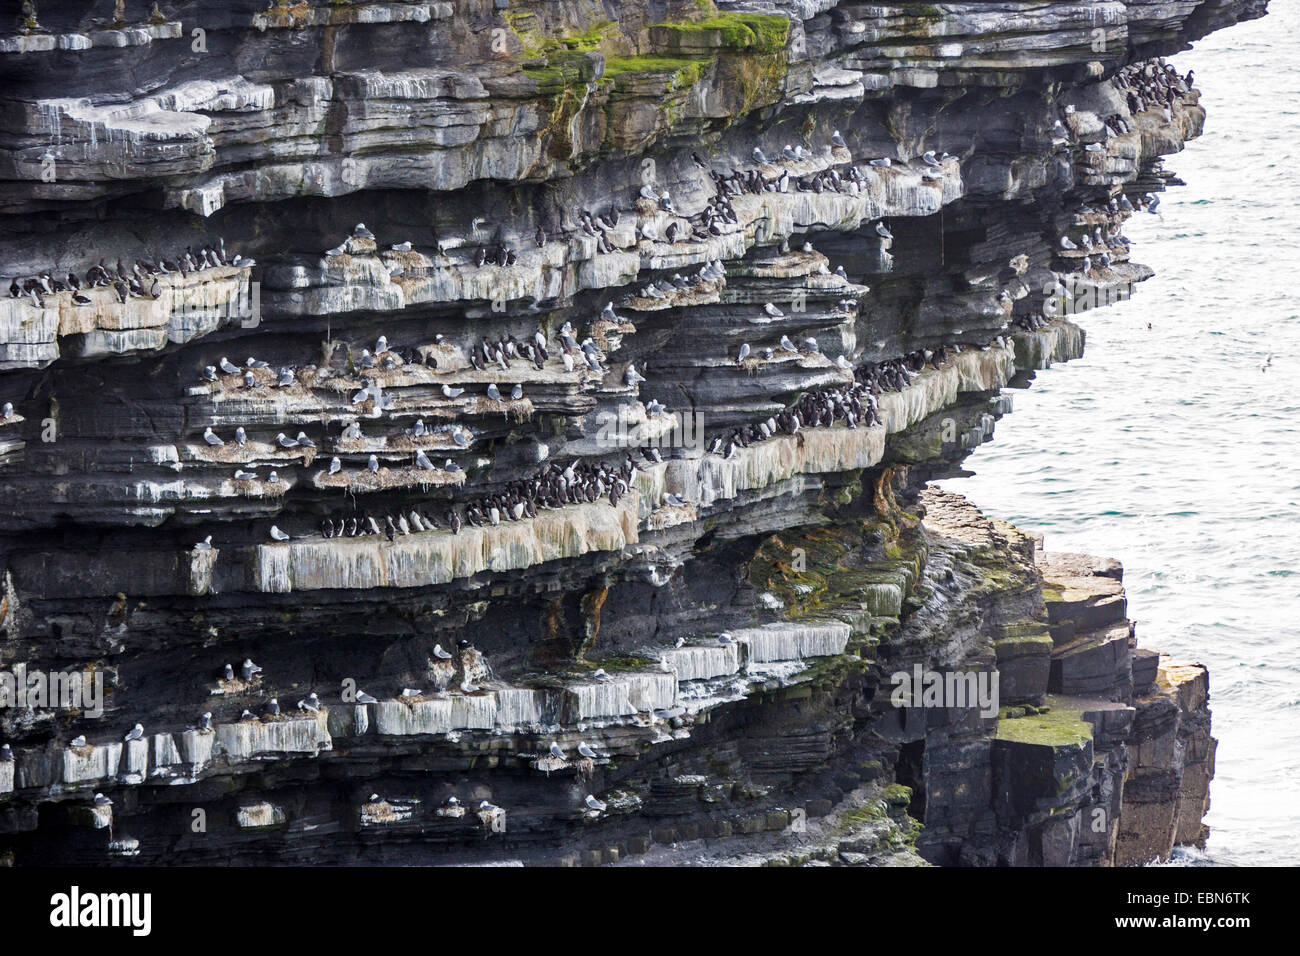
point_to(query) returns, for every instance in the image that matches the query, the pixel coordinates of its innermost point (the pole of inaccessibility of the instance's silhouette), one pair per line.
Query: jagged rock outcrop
(627, 547)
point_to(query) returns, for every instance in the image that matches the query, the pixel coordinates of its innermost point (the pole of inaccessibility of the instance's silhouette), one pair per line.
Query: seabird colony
(139, 281)
(558, 485)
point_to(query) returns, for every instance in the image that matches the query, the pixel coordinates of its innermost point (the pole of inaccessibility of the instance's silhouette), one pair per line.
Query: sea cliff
(717, 617)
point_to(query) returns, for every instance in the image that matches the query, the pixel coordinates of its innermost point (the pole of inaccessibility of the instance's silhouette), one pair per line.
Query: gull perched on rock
(227, 366)
(212, 438)
(135, 733)
(359, 231)
(585, 751)
(594, 804)
(204, 545)
(278, 535)
(373, 465)
(558, 752)
(335, 465)
(772, 310)
(364, 698)
(78, 741)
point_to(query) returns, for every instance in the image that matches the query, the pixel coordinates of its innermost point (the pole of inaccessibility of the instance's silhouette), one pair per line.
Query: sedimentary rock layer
(704, 648)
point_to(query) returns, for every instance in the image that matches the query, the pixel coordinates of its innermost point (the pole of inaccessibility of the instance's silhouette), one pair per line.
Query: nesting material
(199, 576)
(492, 818)
(381, 813)
(362, 480)
(259, 815)
(669, 516)
(519, 411)
(87, 764)
(403, 443)
(549, 764)
(235, 454)
(101, 817)
(236, 685)
(605, 333)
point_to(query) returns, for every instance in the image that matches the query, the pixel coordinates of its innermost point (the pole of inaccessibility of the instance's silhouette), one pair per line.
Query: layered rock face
(628, 608)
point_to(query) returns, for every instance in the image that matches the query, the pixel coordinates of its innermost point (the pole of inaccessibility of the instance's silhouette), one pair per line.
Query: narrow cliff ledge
(692, 660)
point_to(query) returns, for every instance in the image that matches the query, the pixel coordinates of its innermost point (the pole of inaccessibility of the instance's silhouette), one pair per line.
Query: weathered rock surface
(720, 640)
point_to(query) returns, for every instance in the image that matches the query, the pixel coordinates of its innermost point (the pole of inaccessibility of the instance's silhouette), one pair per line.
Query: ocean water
(1170, 448)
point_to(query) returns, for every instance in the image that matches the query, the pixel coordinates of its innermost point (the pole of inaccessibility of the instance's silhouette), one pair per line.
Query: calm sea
(1170, 448)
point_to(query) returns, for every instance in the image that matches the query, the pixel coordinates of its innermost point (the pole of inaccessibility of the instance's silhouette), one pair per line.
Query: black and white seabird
(278, 535)
(211, 437)
(135, 733)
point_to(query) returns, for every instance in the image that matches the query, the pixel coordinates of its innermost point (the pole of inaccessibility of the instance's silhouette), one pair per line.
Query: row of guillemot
(578, 482)
(1153, 83)
(718, 214)
(140, 281)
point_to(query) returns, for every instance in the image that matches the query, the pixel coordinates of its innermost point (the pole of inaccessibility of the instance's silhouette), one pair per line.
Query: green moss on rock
(737, 32)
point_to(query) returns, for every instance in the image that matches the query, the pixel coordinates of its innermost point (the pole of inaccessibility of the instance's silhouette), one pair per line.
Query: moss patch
(1054, 729)
(684, 72)
(737, 32)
